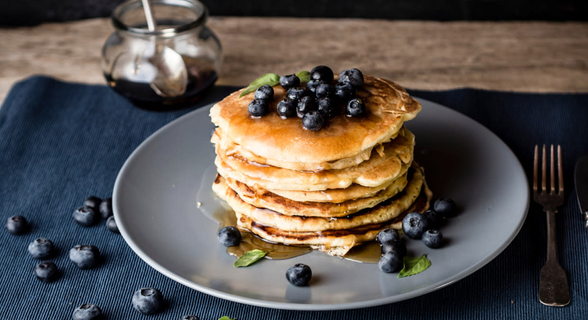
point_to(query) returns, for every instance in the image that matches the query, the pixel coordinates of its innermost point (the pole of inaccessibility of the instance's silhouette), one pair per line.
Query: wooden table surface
(512, 56)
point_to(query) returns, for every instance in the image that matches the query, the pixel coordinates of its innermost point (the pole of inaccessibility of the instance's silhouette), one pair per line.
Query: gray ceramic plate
(157, 190)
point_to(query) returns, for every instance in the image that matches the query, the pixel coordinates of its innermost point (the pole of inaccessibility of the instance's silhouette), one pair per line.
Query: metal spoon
(171, 79)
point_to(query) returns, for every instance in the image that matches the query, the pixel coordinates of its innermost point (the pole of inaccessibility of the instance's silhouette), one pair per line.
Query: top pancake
(387, 104)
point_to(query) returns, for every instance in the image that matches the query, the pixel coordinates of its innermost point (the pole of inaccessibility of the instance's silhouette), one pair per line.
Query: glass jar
(128, 60)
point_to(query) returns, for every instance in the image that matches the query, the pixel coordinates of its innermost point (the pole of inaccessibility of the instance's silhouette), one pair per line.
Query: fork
(553, 284)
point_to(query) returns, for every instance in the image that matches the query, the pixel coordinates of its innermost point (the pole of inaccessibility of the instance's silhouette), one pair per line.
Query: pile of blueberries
(145, 300)
(415, 226)
(319, 101)
(298, 275)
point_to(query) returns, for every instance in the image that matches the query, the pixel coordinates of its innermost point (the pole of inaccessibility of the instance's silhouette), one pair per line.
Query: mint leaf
(304, 76)
(414, 266)
(227, 318)
(269, 78)
(249, 258)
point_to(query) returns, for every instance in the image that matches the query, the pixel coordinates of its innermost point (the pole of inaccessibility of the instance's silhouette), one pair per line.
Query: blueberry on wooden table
(111, 225)
(287, 108)
(85, 216)
(446, 207)
(87, 311)
(386, 235)
(46, 271)
(433, 238)
(390, 262)
(323, 73)
(265, 92)
(352, 76)
(397, 246)
(92, 202)
(148, 300)
(17, 225)
(305, 105)
(105, 208)
(296, 93)
(344, 91)
(84, 256)
(313, 120)
(41, 248)
(229, 236)
(258, 108)
(355, 108)
(299, 274)
(289, 81)
(414, 225)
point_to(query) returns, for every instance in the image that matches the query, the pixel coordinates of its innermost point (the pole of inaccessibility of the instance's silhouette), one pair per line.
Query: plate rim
(302, 306)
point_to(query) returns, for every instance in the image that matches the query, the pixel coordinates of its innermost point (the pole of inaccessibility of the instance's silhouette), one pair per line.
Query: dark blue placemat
(61, 142)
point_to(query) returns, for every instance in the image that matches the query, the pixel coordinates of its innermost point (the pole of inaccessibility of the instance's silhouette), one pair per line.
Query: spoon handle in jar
(149, 15)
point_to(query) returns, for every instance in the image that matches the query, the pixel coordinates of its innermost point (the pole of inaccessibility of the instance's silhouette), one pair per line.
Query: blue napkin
(61, 142)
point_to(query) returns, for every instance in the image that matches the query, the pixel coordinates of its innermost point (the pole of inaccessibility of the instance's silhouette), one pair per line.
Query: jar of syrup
(128, 54)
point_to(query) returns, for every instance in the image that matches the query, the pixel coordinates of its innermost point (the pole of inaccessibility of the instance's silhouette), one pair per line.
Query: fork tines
(544, 171)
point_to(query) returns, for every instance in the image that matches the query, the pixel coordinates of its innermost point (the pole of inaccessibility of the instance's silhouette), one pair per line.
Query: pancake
(388, 106)
(378, 170)
(265, 199)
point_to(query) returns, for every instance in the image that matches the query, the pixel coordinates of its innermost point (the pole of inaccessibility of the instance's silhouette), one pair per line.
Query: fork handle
(551, 237)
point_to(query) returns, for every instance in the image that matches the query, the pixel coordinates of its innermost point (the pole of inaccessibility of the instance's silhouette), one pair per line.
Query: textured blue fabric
(61, 142)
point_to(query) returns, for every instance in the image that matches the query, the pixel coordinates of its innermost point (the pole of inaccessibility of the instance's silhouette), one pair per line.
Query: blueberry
(229, 236)
(265, 92)
(397, 246)
(434, 217)
(296, 94)
(46, 271)
(446, 207)
(323, 73)
(85, 216)
(344, 91)
(258, 108)
(355, 108)
(190, 318)
(313, 120)
(433, 238)
(299, 274)
(286, 108)
(17, 225)
(148, 300)
(87, 311)
(41, 248)
(289, 81)
(414, 224)
(305, 105)
(327, 107)
(353, 76)
(390, 262)
(313, 84)
(92, 202)
(105, 208)
(84, 256)
(386, 235)
(111, 225)
(324, 90)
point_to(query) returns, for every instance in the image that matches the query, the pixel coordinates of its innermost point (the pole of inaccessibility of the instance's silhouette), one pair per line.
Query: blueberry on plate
(289, 81)
(46, 271)
(386, 235)
(299, 274)
(353, 76)
(434, 217)
(305, 105)
(355, 108)
(397, 246)
(92, 202)
(87, 311)
(17, 225)
(296, 94)
(111, 225)
(313, 84)
(147, 300)
(327, 107)
(414, 225)
(313, 120)
(229, 236)
(446, 207)
(84, 256)
(105, 208)
(323, 73)
(287, 108)
(324, 90)
(258, 108)
(190, 318)
(390, 262)
(265, 92)
(344, 91)
(433, 238)
(85, 216)
(41, 248)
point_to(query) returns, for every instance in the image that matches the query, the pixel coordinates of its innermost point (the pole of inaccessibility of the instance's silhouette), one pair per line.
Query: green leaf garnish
(414, 266)
(304, 76)
(227, 318)
(249, 257)
(269, 78)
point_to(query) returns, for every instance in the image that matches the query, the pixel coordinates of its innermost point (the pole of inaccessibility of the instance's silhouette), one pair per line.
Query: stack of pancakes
(330, 189)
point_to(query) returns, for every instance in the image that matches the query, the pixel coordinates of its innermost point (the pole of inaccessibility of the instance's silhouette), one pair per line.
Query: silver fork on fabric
(553, 284)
